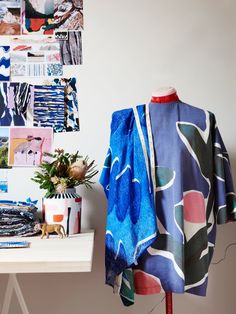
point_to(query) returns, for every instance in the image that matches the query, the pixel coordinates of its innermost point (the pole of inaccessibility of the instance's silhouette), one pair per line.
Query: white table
(53, 255)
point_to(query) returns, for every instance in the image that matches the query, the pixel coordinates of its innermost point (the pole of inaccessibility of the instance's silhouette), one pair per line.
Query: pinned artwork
(70, 47)
(71, 119)
(4, 63)
(28, 145)
(21, 101)
(5, 115)
(16, 104)
(10, 17)
(38, 16)
(3, 181)
(4, 141)
(35, 56)
(68, 14)
(49, 107)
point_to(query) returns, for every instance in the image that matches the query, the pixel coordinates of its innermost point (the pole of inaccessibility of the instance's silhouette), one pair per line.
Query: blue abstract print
(49, 106)
(4, 63)
(5, 115)
(15, 100)
(20, 100)
(71, 122)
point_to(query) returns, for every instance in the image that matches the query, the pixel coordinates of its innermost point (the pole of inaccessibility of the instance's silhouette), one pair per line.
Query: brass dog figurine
(46, 229)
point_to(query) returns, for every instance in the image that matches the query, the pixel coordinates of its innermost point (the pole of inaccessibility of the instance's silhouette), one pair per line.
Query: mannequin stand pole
(169, 303)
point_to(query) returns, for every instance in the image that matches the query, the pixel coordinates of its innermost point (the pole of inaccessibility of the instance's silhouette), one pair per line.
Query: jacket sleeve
(225, 200)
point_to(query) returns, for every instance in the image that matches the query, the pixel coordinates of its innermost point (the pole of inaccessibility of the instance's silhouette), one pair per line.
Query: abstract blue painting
(4, 63)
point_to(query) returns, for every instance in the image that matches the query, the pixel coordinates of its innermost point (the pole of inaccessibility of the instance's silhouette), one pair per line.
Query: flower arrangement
(64, 171)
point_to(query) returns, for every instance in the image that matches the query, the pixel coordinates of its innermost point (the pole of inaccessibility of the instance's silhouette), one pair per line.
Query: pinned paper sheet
(16, 104)
(10, 17)
(37, 16)
(71, 110)
(3, 181)
(4, 63)
(28, 145)
(68, 15)
(70, 47)
(4, 146)
(35, 56)
(49, 106)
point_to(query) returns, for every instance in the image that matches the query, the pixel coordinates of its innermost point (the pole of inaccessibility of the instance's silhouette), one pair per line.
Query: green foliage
(61, 173)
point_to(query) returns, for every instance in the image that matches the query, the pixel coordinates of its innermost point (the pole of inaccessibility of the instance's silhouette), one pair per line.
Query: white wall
(130, 48)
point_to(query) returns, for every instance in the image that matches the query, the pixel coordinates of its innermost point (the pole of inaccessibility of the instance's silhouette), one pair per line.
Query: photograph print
(10, 17)
(3, 181)
(4, 142)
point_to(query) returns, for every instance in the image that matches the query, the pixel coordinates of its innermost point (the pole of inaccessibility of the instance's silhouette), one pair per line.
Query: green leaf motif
(179, 217)
(227, 212)
(127, 287)
(164, 178)
(199, 148)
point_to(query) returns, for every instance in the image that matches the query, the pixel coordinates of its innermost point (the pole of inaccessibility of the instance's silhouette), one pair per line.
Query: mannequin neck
(164, 95)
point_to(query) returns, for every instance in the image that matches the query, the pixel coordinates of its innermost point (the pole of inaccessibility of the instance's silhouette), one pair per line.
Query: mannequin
(164, 95)
(164, 91)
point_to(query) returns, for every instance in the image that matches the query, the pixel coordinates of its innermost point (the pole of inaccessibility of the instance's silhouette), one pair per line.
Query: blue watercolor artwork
(4, 63)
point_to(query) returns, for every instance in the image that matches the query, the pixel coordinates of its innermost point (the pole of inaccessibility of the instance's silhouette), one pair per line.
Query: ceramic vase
(64, 209)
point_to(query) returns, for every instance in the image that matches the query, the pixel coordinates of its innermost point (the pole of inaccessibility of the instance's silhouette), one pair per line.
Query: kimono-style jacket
(168, 182)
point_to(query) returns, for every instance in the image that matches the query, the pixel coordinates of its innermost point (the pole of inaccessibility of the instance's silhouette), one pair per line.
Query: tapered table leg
(13, 284)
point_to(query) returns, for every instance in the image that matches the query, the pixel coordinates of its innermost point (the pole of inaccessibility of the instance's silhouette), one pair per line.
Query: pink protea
(78, 169)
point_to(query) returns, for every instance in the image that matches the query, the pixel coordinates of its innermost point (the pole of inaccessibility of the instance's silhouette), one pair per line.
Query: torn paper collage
(54, 103)
(35, 56)
(38, 38)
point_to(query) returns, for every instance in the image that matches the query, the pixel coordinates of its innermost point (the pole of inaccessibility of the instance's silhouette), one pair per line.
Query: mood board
(40, 38)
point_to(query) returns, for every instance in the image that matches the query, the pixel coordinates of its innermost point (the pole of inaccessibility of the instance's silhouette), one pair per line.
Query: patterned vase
(64, 209)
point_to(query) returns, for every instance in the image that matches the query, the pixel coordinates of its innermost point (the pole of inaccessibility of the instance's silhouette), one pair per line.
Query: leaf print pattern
(194, 191)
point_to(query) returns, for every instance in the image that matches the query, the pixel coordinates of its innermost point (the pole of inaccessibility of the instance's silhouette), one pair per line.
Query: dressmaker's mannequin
(169, 206)
(164, 95)
(164, 91)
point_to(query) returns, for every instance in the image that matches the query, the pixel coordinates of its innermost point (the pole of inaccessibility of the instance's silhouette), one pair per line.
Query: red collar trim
(164, 99)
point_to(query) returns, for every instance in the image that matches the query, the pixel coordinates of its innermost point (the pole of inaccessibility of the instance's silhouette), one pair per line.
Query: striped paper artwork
(4, 63)
(49, 107)
(16, 103)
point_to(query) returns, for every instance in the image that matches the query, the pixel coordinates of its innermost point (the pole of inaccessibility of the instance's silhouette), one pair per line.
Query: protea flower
(78, 169)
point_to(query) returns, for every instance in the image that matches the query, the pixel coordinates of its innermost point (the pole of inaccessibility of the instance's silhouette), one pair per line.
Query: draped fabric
(130, 196)
(193, 192)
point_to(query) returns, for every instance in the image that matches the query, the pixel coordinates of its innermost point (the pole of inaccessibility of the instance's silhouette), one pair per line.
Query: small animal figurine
(46, 229)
